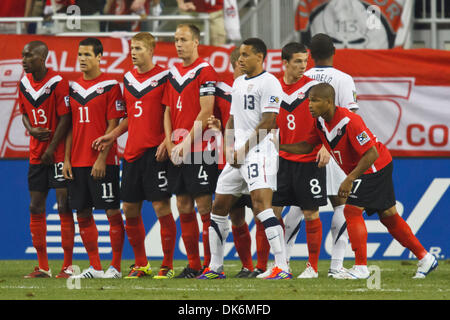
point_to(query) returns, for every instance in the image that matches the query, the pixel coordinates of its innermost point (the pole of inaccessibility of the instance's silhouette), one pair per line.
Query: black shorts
(374, 192)
(42, 177)
(195, 178)
(300, 184)
(144, 179)
(85, 192)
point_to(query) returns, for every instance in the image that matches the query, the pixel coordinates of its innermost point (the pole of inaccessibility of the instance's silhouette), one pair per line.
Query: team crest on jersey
(362, 138)
(339, 131)
(67, 101)
(120, 105)
(153, 83)
(100, 90)
(47, 90)
(301, 95)
(250, 87)
(192, 75)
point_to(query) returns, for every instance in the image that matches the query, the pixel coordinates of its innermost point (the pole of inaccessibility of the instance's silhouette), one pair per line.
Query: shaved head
(39, 48)
(324, 91)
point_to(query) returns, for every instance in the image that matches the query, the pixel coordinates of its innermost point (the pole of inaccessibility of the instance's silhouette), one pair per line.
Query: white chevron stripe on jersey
(289, 98)
(139, 86)
(333, 133)
(86, 92)
(182, 79)
(223, 86)
(36, 94)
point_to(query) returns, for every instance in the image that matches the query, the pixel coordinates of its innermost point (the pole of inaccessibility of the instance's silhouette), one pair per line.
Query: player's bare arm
(62, 127)
(42, 134)
(67, 167)
(229, 141)
(364, 163)
(99, 167)
(301, 147)
(323, 157)
(161, 153)
(102, 142)
(214, 123)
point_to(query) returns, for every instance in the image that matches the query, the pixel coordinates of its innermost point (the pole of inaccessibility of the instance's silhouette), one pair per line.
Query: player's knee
(237, 217)
(131, 210)
(37, 207)
(162, 208)
(84, 213)
(185, 204)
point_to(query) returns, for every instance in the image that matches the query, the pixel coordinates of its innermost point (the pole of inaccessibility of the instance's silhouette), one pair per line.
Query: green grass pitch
(396, 283)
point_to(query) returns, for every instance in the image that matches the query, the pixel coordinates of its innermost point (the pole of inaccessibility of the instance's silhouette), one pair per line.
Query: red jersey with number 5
(44, 102)
(185, 87)
(93, 103)
(347, 138)
(295, 120)
(143, 99)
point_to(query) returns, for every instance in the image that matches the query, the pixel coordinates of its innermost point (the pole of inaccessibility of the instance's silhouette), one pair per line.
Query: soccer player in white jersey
(252, 161)
(322, 52)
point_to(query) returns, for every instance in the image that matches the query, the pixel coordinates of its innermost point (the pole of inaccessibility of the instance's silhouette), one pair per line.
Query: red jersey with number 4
(347, 138)
(185, 87)
(295, 120)
(222, 104)
(44, 102)
(93, 103)
(143, 99)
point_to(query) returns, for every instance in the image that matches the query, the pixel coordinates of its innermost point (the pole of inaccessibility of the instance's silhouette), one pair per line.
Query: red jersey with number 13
(44, 102)
(93, 103)
(347, 138)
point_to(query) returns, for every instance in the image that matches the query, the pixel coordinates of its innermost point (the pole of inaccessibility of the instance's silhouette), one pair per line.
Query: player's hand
(176, 155)
(42, 134)
(234, 159)
(214, 123)
(98, 170)
(323, 157)
(346, 188)
(67, 170)
(161, 153)
(47, 156)
(102, 142)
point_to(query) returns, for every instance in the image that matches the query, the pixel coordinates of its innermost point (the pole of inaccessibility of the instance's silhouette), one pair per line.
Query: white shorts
(259, 171)
(335, 176)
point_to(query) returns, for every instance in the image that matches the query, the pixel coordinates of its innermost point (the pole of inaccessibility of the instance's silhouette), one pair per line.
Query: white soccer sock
(218, 232)
(292, 223)
(340, 238)
(275, 236)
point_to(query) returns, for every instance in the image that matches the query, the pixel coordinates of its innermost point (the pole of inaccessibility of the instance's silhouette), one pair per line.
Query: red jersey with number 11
(93, 103)
(347, 138)
(44, 102)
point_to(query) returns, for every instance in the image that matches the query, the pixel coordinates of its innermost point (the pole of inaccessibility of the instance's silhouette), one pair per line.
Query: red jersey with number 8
(93, 103)
(143, 99)
(294, 120)
(347, 138)
(44, 102)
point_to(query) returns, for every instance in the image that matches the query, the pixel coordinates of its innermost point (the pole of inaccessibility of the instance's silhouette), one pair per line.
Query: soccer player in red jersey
(97, 106)
(192, 173)
(301, 182)
(43, 101)
(144, 174)
(368, 185)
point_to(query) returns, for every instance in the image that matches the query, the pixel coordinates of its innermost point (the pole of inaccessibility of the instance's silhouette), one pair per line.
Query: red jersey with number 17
(347, 138)
(93, 103)
(182, 95)
(295, 120)
(143, 99)
(44, 102)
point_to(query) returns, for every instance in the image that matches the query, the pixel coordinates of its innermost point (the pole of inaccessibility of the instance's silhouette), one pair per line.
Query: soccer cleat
(209, 274)
(188, 273)
(112, 273)
(89, 273)
(425, 266)
(65, 273)
(355, 273)
(164, 273)
(333, 272)
(244, 273)
(255, 273)
(139, 272)
(278, 274)
(309, 273)
(268, 271)
(39, 273)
